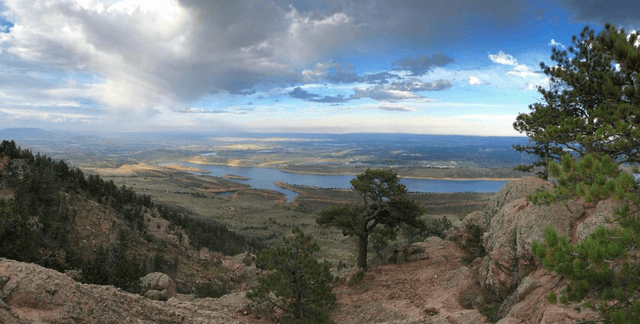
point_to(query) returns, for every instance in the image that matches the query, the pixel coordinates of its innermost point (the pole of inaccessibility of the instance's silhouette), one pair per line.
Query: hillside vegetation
(57, 217)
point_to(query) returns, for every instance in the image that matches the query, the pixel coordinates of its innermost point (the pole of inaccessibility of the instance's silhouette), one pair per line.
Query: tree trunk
(545, 175)
(363, 242)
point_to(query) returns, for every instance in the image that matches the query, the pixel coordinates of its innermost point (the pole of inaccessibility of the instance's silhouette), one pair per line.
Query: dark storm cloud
(422, 64)
(379, 78)
(617, 12)
(429, 22)
(298, 93)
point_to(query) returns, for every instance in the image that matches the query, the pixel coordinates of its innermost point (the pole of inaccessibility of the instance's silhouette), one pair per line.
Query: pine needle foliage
(297, 284)
(592, 178)
(593, 103)
(605, 264)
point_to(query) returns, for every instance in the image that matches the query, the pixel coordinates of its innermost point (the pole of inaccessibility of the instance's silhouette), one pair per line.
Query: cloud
(382, 93)
(617, 12)
(474, 81)
(150, 54)
(299, 93)
(399, 108)
(502, 58)
(417, 85)
(379, 78)
(422, 64)
(331, 72)
(523, 71)
(386, 122)
(519, 70)
(530, 86)
(555, 44)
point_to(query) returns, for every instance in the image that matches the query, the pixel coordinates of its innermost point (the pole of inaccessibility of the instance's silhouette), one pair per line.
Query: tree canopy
(593, 104)
(298, 284)
(383, 203)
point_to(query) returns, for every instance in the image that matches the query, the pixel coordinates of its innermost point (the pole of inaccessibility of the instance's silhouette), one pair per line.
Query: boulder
(400, 253)
(471, 220)
(603, 211)
(158, 286)
(32, 294)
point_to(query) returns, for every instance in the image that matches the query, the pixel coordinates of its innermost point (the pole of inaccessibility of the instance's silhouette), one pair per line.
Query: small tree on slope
(383, 203)
(297, 284)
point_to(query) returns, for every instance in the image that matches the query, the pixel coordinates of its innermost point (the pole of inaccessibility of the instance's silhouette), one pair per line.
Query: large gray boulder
(158, 286)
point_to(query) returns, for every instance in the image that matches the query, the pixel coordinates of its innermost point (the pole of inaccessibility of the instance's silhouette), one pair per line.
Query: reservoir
(264, 178)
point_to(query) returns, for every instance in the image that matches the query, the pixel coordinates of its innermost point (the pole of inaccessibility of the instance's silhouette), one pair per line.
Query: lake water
(263, 178)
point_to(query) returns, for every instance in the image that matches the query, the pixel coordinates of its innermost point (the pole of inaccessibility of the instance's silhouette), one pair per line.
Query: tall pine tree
(594, 107)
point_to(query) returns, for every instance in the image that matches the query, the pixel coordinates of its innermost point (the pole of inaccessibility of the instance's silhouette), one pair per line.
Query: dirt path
(427, 291)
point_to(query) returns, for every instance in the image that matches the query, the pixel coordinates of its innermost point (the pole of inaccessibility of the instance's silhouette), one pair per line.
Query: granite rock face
(508, 241)
(511, 191)
(32, 294)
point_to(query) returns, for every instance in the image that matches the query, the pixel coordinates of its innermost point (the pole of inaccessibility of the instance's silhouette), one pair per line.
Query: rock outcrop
(509, 272)
(33, 294)
(508, 241)
(511, 191)
(529, 304)
(512, 223)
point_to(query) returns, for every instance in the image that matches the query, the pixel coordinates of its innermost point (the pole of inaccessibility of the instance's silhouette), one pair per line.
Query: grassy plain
(264, 213)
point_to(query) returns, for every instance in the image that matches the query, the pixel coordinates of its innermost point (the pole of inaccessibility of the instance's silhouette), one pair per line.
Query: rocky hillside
(506, 284)
(57, 217)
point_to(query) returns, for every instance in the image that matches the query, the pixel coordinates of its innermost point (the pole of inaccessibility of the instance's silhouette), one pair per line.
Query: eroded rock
(508, 241)
(34, 294)
(158, 286)
(511, 191)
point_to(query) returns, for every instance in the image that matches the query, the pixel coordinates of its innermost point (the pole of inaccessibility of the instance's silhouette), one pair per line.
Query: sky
(299, 66)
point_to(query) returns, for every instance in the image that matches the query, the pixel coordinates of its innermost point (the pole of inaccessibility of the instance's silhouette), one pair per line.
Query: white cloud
(502, 58)
(522, 71)
(150, 54)
(529, 86)
(554, 43)
(474, 81)
(383, 93)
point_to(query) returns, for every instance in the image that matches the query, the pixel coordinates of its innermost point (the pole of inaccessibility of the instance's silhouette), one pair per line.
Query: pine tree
(297, 284)
(595, 98)
(540, 125)
(383, 203)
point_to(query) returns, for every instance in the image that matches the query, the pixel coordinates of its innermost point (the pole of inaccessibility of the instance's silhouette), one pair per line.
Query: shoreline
(346, 173)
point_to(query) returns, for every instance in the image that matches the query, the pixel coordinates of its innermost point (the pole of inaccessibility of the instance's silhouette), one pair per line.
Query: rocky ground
(507, 284)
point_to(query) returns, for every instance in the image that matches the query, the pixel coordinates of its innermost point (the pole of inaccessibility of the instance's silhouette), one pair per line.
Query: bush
(473, 246)
(297, 283)
(356, 278)
(432, 227)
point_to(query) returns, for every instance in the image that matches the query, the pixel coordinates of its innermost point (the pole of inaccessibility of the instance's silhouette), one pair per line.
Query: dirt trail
(429, 290)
